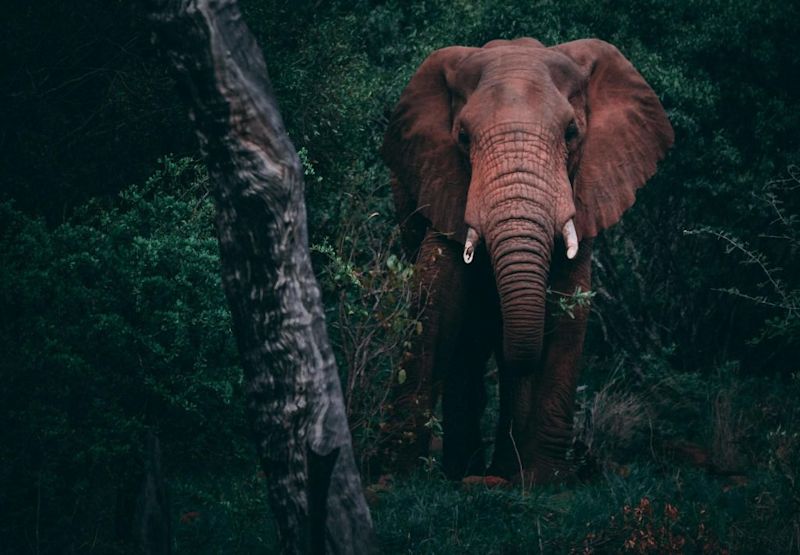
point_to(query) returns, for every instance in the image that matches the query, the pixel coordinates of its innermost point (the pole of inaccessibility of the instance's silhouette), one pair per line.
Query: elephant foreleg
(554, 396)
(439, 291)
(536, 432)
(464, 396)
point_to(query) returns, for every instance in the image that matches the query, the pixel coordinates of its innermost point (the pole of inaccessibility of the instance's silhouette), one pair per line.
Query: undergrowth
(113, 322)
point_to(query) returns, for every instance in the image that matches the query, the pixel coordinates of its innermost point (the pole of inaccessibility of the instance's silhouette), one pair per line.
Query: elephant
(506, 161)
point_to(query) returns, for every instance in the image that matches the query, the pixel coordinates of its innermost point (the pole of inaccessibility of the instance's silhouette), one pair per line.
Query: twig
(516, 452)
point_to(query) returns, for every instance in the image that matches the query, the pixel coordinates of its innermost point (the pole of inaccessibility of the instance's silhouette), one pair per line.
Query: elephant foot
(543, 475)
(489, 482)
(535, 474)
(458, 470)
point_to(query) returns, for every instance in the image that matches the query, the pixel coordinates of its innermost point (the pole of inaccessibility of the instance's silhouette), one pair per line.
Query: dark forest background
(113, 322)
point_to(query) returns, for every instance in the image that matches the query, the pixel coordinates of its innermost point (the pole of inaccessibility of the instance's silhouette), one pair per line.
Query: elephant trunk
(519, 238)
(519, 194)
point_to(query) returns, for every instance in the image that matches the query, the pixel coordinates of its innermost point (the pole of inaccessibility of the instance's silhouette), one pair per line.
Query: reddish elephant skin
(506, 161)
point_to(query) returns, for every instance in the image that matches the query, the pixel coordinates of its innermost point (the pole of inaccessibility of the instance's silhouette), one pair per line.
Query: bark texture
(294, 395)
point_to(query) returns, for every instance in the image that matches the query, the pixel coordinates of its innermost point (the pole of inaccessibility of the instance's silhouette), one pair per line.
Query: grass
(222, 513)
(705, 484)
(639, 508)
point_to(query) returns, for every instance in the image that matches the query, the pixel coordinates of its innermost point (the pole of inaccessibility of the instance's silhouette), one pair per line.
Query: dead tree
(294, 396)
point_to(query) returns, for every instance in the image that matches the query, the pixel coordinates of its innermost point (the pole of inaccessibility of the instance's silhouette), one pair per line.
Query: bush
(339, 67)
(111, 324)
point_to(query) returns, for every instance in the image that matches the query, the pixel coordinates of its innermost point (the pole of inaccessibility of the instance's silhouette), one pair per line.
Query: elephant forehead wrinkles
(518, 74)
(526, 69)
(521, 101)
(538, 62)
(519, 89)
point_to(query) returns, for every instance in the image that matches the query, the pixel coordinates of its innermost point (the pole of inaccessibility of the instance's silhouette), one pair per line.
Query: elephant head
(528, 150)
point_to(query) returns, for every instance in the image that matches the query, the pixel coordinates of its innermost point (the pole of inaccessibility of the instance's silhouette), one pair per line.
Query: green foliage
(648, 496)
(86, 110)
(111, 324)
(719, 68)
(566, 303)
(370, 322)
(774, 288)
(656, 311)
(612, 515)
(222, 512)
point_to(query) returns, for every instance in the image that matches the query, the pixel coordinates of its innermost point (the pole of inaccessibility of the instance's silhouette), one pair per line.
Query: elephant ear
(431, 175)
(627, 134)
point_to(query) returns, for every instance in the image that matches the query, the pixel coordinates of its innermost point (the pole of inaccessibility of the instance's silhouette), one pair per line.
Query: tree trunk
(294, 396)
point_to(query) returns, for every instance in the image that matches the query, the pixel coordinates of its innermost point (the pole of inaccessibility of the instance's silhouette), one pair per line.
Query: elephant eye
(571, 131)
(463, 138)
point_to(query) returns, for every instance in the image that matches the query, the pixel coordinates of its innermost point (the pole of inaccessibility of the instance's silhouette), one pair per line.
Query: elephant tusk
(469, 245)
(469, 252)
(570, 238)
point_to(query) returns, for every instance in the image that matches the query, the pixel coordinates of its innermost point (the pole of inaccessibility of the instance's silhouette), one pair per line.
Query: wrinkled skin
(506, 160)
